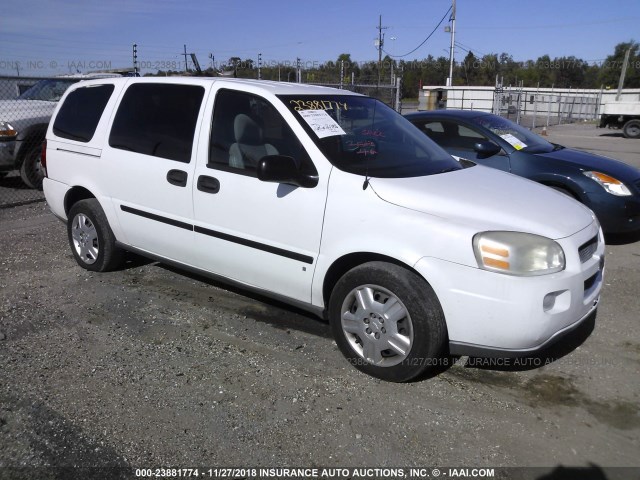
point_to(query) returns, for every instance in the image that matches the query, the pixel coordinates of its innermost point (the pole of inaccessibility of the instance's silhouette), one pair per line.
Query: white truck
(624, 115)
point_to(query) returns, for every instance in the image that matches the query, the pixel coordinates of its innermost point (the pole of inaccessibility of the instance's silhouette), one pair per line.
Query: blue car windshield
(361, 135)
(518, 137)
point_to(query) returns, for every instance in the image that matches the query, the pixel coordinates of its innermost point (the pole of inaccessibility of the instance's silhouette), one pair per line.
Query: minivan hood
(488, 199)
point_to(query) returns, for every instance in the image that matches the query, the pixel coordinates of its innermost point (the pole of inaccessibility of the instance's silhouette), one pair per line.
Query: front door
(265, 235)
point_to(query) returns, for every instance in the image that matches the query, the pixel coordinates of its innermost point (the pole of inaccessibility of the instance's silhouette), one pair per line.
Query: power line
(425, 40)
(467, 48)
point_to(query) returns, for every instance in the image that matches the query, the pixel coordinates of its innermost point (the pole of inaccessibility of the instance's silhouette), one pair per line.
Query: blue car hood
(588, 161)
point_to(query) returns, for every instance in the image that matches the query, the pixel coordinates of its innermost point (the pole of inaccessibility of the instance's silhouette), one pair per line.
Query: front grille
(587, 250)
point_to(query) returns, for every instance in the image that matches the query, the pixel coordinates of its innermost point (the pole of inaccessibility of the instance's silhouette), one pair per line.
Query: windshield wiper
(557, 147)
(450, 169)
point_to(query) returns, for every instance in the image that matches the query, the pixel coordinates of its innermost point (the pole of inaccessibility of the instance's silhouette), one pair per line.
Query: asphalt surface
(150, 367)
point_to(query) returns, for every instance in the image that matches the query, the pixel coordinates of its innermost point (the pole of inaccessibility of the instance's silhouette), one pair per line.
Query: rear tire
(31, 170)
(388, 322)
(631, 129)
(91, 239)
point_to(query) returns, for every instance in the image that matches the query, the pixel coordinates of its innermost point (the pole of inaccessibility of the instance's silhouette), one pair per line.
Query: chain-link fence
(388, 94)
(530, 107)
(540, 110)
(26, 106)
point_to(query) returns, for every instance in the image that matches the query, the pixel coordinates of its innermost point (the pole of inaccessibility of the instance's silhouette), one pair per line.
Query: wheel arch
(563, 182)
(74, 195)
(349, 261)
(34, 135)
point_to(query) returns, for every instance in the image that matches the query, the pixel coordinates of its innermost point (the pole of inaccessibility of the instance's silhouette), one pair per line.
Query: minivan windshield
(50, 90)
(362, 135)
(519, 137)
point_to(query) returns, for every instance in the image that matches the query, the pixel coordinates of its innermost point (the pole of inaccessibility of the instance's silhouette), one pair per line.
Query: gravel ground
(151, 367)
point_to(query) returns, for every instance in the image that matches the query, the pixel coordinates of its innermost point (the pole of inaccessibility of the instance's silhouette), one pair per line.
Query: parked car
(330, 201)
(608, 187)
(23, 124)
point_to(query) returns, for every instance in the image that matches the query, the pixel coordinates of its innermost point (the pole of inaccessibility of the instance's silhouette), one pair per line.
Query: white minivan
(330, 201)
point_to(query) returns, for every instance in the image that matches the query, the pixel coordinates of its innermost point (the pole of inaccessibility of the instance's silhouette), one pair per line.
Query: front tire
(388, 322)
(631, 129)
(31, 170)
(91, 239)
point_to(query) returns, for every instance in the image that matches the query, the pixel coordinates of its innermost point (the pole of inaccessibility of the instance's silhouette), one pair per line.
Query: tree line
(472, 70)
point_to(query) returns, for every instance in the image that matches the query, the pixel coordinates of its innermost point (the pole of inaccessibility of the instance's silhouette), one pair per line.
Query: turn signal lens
(610, 184)
(7, 131)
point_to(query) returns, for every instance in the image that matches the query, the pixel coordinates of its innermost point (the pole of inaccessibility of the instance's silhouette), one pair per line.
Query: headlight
(610, 184)
(515, 253)
(7, 131)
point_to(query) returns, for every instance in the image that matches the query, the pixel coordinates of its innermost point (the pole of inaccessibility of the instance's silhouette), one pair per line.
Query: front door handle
(208, 184)
(177, 178)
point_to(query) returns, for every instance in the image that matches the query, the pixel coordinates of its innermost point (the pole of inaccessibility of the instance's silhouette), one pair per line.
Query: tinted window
(363, 136)
(158, 120)
(246, 128)
(79, 115)
(449, 134)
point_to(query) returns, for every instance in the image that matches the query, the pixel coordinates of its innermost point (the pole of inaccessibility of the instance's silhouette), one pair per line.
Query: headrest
(246, 130)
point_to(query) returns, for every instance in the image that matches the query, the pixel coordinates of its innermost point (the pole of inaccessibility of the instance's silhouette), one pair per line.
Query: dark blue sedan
(608, 187)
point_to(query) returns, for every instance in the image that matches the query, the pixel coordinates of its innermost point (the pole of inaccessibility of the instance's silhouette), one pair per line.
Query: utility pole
(380, 43)
(185, 58)
(259, 66)
(135, 60)
(298, 72)
(625, 63)
(453, 41)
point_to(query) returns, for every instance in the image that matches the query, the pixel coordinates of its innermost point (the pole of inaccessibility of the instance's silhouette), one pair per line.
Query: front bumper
(7, 158)
(616, 214)
(508, 315)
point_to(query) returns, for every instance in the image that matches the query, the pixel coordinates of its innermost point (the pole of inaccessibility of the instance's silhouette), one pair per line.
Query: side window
(458, 136)
(79, 115)
(245, 128)
(432, 129)
(158, 120)
(468, 133)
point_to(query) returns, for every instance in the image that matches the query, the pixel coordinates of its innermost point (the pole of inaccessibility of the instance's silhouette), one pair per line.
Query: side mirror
(283, 169)
(487, 149)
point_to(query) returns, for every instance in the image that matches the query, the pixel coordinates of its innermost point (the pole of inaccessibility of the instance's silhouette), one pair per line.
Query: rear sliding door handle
(208, 184)
(177, 178)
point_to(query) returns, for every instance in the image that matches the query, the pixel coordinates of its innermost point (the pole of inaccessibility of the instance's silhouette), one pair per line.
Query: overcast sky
(40, 37)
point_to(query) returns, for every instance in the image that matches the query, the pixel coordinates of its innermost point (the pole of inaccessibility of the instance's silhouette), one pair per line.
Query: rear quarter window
(158, 120)
(81, 111)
